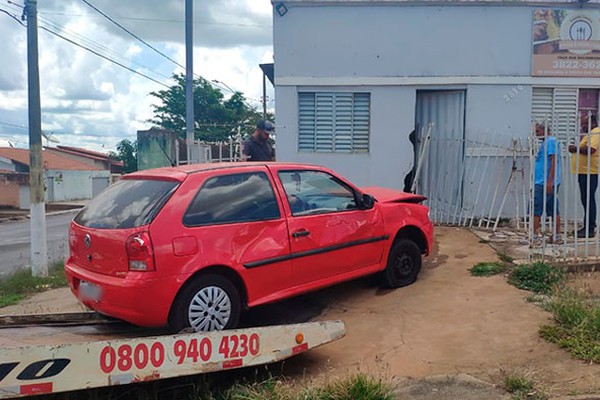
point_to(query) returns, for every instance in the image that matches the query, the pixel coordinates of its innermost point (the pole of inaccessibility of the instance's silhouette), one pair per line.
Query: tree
(126, 152)
(215, 118)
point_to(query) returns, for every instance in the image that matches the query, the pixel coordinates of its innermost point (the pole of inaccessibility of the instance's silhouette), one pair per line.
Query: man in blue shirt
(547, 181)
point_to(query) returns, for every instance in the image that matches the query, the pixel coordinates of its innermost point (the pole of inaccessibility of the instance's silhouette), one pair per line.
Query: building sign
(566, 43)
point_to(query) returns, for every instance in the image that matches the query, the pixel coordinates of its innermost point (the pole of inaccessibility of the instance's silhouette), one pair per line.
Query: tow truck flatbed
(65, 356)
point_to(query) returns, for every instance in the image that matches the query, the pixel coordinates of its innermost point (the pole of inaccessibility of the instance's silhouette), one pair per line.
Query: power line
(92, 43)
(174, 21)
(155, 49)
(131, 33)
(54, 27)
(102, 56)
(13, 17)
(221, 85)
(14, 125)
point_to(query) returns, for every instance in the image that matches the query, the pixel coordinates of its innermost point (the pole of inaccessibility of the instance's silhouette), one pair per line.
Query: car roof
(180, 173)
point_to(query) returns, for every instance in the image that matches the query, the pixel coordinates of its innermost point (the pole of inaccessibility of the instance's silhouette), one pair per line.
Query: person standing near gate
(547, 181)
(585, 165)
(258, 146)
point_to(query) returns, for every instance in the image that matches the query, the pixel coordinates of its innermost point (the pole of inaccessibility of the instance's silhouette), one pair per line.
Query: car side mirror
(367, 202)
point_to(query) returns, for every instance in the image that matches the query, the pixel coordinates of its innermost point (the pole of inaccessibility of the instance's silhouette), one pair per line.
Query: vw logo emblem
(87, 240)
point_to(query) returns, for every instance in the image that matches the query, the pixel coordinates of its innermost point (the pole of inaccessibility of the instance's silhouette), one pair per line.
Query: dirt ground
(448, 336)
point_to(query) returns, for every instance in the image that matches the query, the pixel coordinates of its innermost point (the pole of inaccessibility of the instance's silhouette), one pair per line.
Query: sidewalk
(55, 208)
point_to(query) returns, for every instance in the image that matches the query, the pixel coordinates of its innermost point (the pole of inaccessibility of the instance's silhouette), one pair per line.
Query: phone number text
(125, 357)
(576, 64)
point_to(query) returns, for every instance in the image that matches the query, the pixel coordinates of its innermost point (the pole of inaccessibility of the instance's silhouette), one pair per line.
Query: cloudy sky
(90, 102)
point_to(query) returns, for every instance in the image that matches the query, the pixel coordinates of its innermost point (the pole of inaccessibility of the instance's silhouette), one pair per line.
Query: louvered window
(334, 122)
(557, 107)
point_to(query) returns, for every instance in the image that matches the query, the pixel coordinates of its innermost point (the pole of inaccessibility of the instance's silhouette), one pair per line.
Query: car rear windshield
(126, 204)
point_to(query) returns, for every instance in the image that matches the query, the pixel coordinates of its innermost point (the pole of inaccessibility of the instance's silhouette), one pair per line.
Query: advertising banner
(566, 43)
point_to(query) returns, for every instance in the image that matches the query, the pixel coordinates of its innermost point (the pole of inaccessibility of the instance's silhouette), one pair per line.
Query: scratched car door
(329, 234)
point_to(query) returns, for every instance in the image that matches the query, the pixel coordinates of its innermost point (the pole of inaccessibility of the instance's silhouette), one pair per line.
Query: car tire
(208, 303)
(403, 265)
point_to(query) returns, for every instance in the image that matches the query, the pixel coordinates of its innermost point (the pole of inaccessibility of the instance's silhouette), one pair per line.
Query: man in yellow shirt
(585, 165)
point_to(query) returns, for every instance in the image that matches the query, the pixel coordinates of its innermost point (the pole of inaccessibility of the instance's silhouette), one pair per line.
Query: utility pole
(189, 77)
(39, 250)
(264, 99)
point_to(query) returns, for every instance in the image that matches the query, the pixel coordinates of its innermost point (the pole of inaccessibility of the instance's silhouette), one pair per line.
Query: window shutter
(324, 121)
(541, 108)
(333, 122)
(564, 123)
(343, 122)
(362, 112)
(558, 107)
(306, 122)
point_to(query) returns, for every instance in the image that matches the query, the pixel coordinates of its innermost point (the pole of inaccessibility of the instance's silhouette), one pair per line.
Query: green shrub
(523, 388)
(538, 277)
(488, 269)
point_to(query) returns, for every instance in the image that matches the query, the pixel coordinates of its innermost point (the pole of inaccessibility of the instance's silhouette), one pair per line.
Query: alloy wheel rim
(209, 310)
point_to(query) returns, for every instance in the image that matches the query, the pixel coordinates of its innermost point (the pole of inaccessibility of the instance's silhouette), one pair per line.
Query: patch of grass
(577, 326)
(21, 284)
(488, 269)
(359, 386)
(538, 277)
(270, 389)
(523, 388)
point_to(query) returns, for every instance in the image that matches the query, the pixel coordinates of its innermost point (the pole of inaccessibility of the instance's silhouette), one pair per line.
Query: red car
(196, 245)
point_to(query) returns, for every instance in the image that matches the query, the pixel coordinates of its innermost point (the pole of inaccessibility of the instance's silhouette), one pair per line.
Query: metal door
(50, 189)
(440, 114)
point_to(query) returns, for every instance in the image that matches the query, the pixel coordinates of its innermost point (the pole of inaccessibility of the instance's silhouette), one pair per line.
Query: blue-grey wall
(365, 47)
(401, 40)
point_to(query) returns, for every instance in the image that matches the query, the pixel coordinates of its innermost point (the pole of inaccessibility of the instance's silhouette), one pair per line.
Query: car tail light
(139, 252)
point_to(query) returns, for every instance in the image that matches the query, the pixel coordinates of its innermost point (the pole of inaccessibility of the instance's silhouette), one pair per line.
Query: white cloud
(90, 102)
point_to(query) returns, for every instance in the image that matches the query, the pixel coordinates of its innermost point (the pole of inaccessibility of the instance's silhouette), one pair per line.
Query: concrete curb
(27, 216)
(461, 386)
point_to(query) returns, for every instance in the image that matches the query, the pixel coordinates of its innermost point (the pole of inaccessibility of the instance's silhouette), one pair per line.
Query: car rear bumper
(136, 298)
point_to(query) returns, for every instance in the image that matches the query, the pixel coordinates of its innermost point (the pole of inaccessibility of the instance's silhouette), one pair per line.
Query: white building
(65, 179)
(353, 78)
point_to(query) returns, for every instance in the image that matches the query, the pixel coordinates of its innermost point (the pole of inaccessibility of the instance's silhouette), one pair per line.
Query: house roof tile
(51, 160)
(96, 155)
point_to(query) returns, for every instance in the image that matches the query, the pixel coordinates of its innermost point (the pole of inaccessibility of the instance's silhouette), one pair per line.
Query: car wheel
(403, 266)
(209, 303)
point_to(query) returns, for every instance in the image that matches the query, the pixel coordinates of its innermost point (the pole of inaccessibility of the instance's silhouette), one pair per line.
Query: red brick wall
(9, 188)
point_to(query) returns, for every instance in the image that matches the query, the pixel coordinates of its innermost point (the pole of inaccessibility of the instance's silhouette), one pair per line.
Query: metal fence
(210, 152)
(491, 185)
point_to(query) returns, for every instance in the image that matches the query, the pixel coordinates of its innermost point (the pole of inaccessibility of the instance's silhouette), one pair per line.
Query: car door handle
(301, 233)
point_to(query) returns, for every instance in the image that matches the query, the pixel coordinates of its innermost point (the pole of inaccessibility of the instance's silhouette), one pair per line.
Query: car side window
(315, 192)
(233, 198)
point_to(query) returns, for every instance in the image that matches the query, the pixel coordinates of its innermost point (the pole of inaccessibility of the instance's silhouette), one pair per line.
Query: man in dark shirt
(258, 146)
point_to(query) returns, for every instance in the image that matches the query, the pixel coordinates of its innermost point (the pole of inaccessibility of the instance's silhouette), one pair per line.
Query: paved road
(15, 241)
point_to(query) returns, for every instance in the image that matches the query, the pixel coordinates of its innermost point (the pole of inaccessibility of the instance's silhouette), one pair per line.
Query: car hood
(385, 195)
